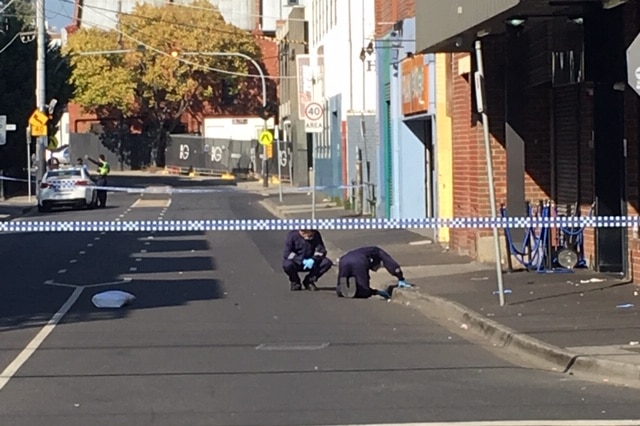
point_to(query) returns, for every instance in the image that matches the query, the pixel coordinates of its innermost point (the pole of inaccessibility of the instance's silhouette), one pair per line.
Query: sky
(58, 13)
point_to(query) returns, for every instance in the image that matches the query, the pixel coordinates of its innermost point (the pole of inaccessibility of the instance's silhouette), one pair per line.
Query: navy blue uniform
(297, 249)
(358, 262)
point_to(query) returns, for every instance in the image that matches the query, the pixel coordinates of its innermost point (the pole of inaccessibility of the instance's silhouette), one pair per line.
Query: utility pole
(120, 115)
(41, 102)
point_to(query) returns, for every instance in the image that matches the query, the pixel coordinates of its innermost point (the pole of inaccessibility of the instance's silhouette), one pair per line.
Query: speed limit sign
(313, 117)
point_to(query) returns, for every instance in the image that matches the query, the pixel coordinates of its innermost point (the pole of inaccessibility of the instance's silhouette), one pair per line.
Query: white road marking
(97, 239)
(138, 259)
(291, 347)
(73, 261)
(35, 343)
(82, 252)
(90, 245)
(62, 271)
(133, 269)
(102, 233)
(122, 281)
(420, 243)
(143, 251)
(147, 243)
(512, 423)
(142, 203)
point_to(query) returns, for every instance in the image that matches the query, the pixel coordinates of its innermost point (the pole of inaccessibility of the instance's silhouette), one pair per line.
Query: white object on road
(112, 299)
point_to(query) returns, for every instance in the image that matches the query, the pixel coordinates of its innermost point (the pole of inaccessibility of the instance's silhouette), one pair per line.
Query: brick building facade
(565, 116)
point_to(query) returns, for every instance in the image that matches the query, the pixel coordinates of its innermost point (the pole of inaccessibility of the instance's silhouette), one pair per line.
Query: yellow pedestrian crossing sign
(265, 138)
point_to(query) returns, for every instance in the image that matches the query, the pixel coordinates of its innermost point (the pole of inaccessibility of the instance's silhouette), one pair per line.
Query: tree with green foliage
(170, 76)
(18, 86)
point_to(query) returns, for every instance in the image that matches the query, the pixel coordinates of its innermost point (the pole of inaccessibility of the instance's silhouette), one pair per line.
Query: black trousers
(102, 194)
(292, 269)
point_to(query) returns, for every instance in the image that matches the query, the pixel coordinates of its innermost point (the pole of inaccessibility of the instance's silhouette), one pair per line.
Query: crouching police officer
(353, 272)
(304, 250)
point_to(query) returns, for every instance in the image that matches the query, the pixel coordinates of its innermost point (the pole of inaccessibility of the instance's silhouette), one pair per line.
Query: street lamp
(264, 93)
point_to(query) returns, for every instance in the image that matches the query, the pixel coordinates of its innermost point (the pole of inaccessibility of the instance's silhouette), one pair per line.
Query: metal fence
(216, 157)
(131, 154)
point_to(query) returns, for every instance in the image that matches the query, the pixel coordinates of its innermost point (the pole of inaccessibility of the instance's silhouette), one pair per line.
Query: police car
(68, 187)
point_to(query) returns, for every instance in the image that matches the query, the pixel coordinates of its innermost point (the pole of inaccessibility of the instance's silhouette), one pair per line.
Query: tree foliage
(18, 83)
(153, 85)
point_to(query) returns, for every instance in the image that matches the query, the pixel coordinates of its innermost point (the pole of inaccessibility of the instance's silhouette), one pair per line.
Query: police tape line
(167, 189)
(207, 225)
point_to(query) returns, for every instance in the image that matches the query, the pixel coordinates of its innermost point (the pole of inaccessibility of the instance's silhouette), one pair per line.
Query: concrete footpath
(581, 323)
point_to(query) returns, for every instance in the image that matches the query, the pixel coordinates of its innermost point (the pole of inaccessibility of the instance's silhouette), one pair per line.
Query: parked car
(67, 187)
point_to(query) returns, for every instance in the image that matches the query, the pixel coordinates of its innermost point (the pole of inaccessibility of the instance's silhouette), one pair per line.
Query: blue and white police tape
(167, 189)
(209, 225)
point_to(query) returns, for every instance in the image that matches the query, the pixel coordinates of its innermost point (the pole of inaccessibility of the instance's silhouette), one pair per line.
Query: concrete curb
(522, 345)
(528, 348)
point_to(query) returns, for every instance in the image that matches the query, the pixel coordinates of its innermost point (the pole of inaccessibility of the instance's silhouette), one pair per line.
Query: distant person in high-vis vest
(103, 172)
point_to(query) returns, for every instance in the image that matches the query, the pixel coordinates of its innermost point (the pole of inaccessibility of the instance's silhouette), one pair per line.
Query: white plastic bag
(112, 299)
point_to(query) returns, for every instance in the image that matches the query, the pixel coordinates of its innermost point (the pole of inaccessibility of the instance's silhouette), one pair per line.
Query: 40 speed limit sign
(313, 117)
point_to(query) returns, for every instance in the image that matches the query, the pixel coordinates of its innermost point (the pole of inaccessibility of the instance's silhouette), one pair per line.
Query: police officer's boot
(310, 283)
(295, 286)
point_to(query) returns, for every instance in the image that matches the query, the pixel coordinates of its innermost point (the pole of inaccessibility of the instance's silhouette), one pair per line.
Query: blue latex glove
(403, 284)
(308, 263)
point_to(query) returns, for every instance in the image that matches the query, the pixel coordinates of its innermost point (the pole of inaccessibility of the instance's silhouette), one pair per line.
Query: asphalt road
(215, 337)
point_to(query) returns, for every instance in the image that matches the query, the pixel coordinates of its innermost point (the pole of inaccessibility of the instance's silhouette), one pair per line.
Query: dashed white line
(90, 245)
(138, 259)
(73, 261)
(35, 343)
(62, 271)
(96, 239)
(133, 269)
(147, 243)
(82, 252)
(143, 251)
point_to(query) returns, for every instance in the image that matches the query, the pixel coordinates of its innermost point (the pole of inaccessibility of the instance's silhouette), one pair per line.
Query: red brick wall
(470, 182)
(392, 11)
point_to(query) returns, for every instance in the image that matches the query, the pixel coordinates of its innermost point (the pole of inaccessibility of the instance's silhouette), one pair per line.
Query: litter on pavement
(112, 299)
(625, 306)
